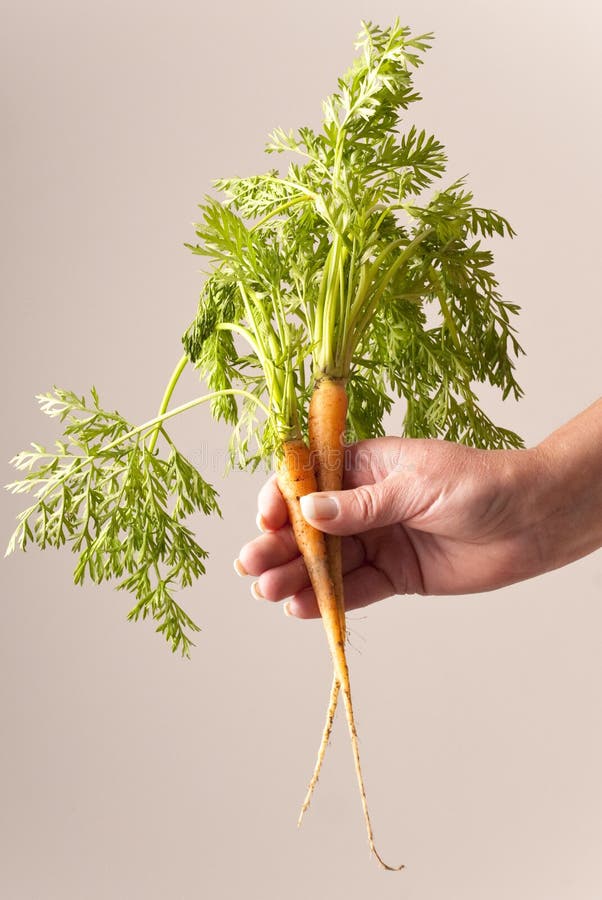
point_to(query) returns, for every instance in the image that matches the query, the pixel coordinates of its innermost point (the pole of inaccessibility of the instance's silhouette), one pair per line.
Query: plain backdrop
(130, 774)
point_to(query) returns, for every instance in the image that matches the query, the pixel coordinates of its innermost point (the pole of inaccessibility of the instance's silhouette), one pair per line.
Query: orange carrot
(327, 420)
(296, 478)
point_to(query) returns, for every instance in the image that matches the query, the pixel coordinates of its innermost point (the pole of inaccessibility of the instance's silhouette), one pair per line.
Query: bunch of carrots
(304, 470)
(312, 319)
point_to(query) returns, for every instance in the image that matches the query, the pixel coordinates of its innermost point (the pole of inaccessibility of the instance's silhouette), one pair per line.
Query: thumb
(353, 511)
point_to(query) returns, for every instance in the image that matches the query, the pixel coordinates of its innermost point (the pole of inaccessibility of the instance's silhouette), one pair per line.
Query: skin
(434, 517)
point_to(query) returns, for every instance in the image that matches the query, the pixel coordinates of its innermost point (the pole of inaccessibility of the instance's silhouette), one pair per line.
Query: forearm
(566, 491)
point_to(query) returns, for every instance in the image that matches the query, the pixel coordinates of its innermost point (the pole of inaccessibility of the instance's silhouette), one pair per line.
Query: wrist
(563, 497)
(525, 482)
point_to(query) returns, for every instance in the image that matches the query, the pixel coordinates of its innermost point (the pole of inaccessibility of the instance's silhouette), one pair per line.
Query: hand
(417, 517)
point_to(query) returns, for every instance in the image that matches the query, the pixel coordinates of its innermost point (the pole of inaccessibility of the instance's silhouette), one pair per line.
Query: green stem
(302, 198)
(312, 158)
(240, 329)
(167, 397)
(445, 310)
(362, 312)
(393, 245)
(269, 345)
(372, 271)
(239, 392)
(298, 187)
(347, 307)
(329, 312)
(338, 155)
(322, 338)
(251, 310)
(343, 309)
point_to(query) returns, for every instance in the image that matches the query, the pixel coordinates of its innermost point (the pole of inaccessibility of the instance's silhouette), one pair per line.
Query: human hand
(416, 516)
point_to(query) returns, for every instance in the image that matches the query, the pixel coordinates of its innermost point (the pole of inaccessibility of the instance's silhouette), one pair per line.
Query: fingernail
(239, 568)
(256, 592)
(314, 506)
(288, 609)
(260, 522)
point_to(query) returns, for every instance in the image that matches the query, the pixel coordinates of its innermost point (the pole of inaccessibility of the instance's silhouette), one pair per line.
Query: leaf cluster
(119, 506)
(382, 283)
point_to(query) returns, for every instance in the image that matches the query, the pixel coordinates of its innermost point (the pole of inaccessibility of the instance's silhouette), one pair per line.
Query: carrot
(296, 478)
(327, 419)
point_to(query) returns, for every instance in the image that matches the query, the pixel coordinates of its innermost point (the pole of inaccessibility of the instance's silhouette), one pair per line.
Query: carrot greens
(351, 278)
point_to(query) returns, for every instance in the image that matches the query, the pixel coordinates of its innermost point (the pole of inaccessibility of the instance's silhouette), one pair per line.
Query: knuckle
(271, 586)
(366, 507)
(287, 543)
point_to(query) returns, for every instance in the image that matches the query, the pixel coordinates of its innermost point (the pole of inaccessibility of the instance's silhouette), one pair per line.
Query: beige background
(129, 774)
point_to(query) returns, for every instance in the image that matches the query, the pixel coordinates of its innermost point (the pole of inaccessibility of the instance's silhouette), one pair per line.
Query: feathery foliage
(119, 506)
(356, 262)
(392, 289)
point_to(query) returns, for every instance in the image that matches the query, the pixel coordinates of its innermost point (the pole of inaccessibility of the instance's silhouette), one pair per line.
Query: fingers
(381, 482)
(367, 463)
(281, 574)
(291, 578)
(362, 586)
(269, 551)
(353, 511)
(373, 459)
(281, 571)
(378, 480)
(272, 508)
